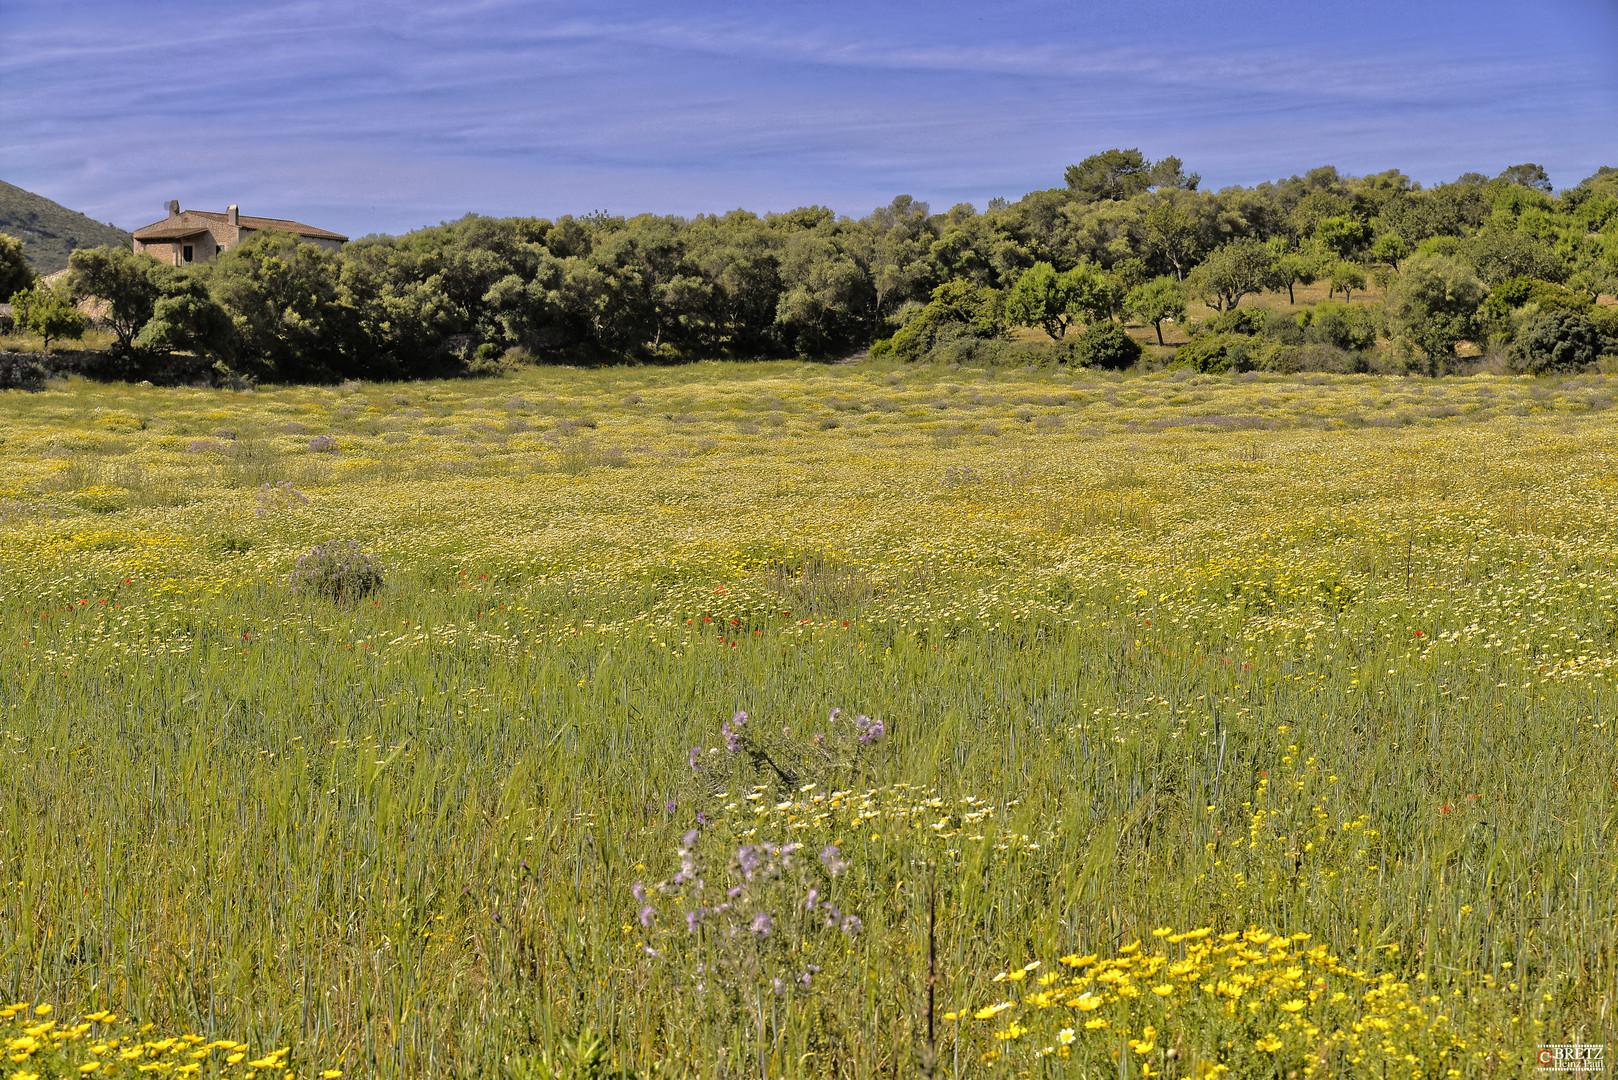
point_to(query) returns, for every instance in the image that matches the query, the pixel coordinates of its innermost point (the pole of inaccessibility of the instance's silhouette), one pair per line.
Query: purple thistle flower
(693, 918)
(735, 891)
(638, 891)
(647, 915)
(762, 925)
(835, 713)
(851, 925)
(689, 840)
(872, 732)
(779, 987)
(747, 859)
(695, 756)
(702, 819)
(811, 900)
(833, 860)
(671, 806)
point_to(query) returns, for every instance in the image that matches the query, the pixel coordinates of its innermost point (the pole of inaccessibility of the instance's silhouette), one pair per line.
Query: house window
(185, 253)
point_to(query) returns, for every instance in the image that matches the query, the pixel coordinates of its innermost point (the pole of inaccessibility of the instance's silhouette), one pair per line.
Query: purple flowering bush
(337, 571)
(748, 926)
(841, 751)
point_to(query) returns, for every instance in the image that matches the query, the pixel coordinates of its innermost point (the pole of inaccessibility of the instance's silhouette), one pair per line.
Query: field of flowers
(799, 720)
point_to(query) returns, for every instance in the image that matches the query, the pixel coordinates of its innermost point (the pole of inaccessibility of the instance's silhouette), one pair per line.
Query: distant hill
(50, 231)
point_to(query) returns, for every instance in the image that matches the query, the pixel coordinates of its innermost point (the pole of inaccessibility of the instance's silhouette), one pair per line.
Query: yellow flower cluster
(1252, 1003)
(103, 1044)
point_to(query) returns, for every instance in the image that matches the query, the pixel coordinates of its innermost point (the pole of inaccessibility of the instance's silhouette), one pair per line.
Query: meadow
(1125, 725)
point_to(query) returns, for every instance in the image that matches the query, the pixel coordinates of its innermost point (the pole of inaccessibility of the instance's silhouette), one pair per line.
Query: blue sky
(373, 116)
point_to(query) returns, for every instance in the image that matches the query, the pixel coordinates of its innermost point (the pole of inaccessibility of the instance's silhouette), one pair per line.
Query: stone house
(188, 236)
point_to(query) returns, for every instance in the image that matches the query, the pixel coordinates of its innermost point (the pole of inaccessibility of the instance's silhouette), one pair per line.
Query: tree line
(1125, 239)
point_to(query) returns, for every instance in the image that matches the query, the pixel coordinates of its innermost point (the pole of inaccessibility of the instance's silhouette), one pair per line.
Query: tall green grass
(414, 860)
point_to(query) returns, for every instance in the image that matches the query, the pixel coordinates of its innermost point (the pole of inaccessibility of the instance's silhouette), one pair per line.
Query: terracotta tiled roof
(168, 228)
(164, 231)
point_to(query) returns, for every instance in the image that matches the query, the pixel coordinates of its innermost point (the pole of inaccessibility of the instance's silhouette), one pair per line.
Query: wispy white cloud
(386, 115)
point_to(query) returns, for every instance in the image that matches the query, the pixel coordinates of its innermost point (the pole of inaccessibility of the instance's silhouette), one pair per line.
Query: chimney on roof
(233, 214)
(174, 208)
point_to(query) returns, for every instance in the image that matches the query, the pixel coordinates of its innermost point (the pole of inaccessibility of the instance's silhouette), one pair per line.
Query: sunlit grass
(1325, 655)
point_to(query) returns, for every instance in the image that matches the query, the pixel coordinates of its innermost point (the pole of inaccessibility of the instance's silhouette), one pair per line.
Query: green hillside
(50, 231)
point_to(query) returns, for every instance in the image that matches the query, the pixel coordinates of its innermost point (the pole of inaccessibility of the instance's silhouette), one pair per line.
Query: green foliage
(604, 288)
(1232, 271)
(584, 1058)
(1130, 273)
(1044, 298)
(1502, 309)
(128, 285)
(1155, 301)
(1499, 254)
(957, 309)
(1125, 174)
(1290, 267)
(1434, 303)
(1528, 175)
(1344, 235)
(40, 309)
(1248, 321)
(15, 273)
(1106, 345)
(1051, 301)
(1340, 325)
(188, 318)
(1559, 341)
(1346, 277)
(1390, 248)
(289, 319)
(1207, 353)
(1218, 353)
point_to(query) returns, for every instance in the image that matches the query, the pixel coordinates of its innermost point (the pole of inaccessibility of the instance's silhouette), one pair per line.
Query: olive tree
(42, 310)
(1156, 301)
(1434, 304)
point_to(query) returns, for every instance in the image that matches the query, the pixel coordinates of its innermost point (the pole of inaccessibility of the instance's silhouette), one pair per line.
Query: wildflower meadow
(794, 720)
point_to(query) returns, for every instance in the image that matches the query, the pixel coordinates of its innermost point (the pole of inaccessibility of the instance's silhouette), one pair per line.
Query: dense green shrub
(1105, 345)
(1500, 312)
(1249, 321)
(1434, 306)
(958, 309)
(1341, 325)
(1558, 341)
(337, 571)
(1218, 353)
